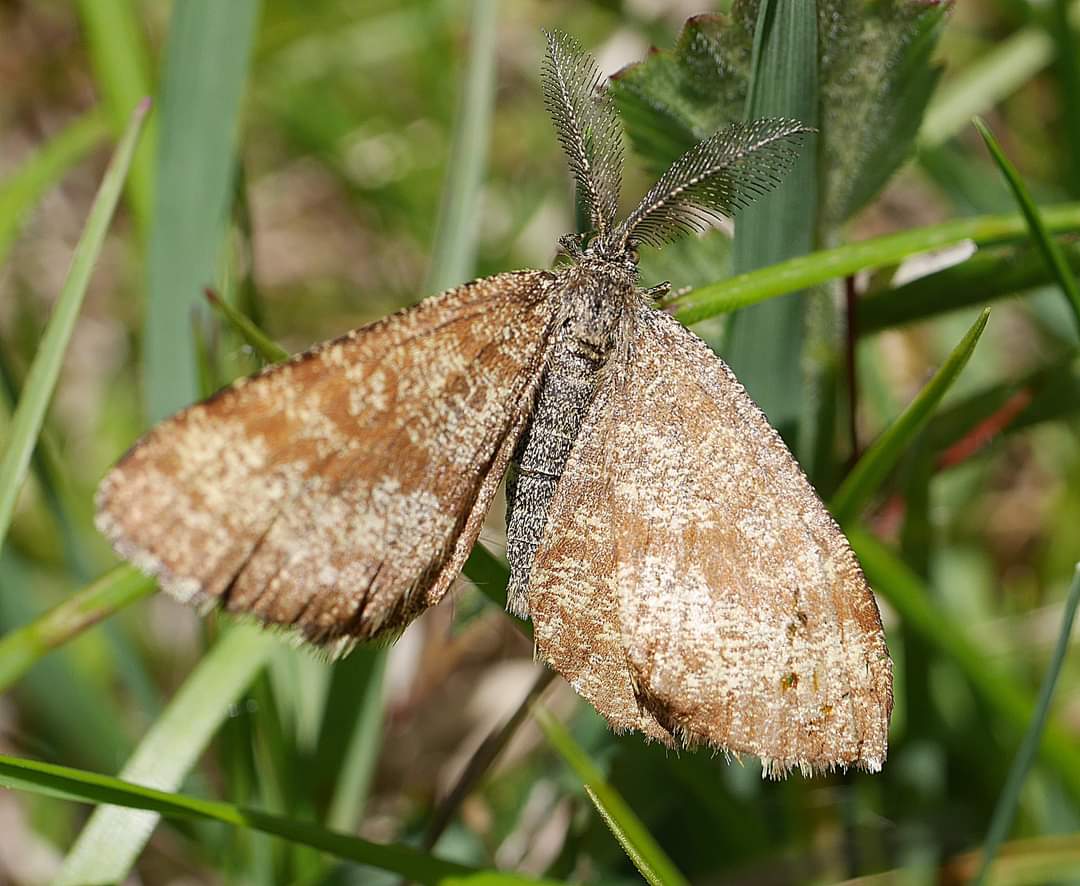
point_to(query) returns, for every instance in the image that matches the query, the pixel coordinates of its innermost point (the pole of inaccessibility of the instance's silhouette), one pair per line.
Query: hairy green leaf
(877, 79)
(875, 82)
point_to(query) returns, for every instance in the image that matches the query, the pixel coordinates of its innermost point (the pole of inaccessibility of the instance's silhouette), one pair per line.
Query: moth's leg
(657, 292)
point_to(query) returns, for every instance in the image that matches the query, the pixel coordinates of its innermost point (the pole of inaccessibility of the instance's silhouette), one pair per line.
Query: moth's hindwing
(691, 580)
(339, 493)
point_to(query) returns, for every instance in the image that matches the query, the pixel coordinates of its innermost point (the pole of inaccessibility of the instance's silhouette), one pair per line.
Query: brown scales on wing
(691, 584)
(339, 493)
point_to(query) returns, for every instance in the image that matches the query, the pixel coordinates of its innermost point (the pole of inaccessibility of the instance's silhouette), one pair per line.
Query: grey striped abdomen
(541, 457)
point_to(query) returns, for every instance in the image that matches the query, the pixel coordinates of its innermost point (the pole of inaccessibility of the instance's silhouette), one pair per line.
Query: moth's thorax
(597, 294)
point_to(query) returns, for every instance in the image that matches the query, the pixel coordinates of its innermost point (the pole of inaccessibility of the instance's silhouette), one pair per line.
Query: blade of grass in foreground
(818, 267)
(359, 715)
(882, 456)
(89, 787)
(113, 837)
(1047, 245)
(41, 379)
(59, 500)
(21, 648)
(1005, 810)
(650, 860)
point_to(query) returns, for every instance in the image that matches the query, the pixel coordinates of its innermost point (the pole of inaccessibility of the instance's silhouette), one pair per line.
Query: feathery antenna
(587, 124)
(715, 178)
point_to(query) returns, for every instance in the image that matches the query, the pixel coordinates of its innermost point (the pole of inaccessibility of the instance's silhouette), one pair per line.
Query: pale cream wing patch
(745, 615)
(573, 599)
(690, 579)
(339, 493)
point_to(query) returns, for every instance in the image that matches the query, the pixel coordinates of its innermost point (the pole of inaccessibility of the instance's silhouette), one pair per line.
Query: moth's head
(599, 250)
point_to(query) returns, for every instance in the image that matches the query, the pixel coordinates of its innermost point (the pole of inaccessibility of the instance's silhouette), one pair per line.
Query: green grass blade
(41, 379)
(21, 648)
(121, 63)
(90, 787)
(764, 344)
(75, 719)
(206, 63)
(23, 188)
(264, 346)
(455, 239)
(1009, 799)
(989, 275)
(1047, 245)
(819, 267)
(360, 756)
(646, 854)
(870, 471)
(905, 592)
(67, 507)
(113, 837)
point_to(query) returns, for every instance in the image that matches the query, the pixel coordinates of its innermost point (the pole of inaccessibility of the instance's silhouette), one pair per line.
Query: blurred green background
(323, 163)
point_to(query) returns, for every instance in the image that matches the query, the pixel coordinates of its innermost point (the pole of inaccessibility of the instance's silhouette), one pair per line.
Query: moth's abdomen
(538, 464)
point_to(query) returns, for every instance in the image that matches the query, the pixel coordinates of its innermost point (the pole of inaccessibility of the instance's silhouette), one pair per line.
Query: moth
(679, 569)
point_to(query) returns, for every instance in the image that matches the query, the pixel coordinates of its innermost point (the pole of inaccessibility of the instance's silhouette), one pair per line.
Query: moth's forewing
(571, 590)
(339, 493)
(743, 619)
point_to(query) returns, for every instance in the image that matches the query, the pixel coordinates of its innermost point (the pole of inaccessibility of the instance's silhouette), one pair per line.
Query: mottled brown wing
(339, 493)
(743, 618)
